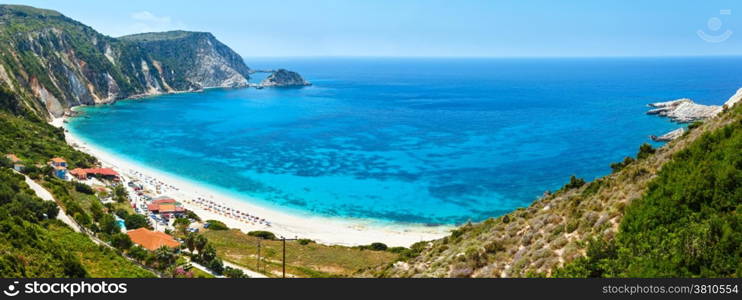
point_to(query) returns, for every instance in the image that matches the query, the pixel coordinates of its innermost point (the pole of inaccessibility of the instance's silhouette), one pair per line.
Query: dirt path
(42, 193)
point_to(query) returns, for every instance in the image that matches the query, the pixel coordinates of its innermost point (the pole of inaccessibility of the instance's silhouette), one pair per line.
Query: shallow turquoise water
(435, 141)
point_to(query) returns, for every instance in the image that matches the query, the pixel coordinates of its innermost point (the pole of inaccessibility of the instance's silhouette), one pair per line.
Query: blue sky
(432, 28)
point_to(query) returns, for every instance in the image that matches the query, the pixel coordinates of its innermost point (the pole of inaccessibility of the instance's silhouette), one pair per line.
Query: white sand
(348, 232)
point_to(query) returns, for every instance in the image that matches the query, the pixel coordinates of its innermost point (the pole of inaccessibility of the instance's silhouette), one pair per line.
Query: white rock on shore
(684, 110)
(734, 99)
(669, 136)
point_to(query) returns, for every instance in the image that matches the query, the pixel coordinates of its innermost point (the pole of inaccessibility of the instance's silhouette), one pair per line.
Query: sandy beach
(334, 231)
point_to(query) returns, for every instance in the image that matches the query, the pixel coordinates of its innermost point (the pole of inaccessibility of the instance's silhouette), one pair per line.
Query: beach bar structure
(60, 167)
(105, 173)
(151, 240)
(166, 207)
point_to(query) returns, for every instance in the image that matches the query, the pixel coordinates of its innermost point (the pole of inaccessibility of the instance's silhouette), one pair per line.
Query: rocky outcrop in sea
(686, 111)
(284, 78)
(683, 110)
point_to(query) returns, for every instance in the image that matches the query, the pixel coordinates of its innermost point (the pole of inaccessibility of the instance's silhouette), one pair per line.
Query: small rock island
(283, 78)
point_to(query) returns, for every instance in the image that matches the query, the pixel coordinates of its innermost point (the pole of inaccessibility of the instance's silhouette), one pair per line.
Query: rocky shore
(686, 111)
(683, 110)
(669, 136)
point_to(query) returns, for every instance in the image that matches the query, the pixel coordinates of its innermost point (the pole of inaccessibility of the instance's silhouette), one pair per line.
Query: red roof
(165, 205)
(103, 171)
(163, 201)
(58, 160)
(13, 158)
(151, 239)
(78, 172)
(96, 171)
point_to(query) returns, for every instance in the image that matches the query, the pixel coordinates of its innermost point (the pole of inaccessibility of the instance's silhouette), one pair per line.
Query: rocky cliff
(191, 59)
(51, 62)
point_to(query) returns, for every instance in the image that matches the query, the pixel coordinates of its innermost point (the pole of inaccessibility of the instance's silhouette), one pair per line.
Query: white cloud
(145, 21)
(146, 16)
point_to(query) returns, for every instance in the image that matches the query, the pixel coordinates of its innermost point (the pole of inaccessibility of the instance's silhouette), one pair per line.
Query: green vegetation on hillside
(160, 36)
(36, 142)
(687, 224)
(36, 245)
(98, 261)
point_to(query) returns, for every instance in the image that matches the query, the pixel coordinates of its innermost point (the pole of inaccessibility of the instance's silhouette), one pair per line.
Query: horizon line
(491, 57)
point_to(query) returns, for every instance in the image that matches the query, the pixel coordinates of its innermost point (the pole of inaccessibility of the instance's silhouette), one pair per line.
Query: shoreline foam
(325, 230)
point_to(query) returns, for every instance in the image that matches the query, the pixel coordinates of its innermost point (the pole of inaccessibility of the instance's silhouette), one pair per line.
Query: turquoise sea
(432, 141)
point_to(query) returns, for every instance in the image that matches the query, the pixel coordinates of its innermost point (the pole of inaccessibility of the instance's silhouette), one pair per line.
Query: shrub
(50, 209)
(216, 225)
(506, 219)
(5, 162)
(305, 241)
(377, 246)
(397, 250)
(83, 188)
(262, 234)
(574, 182)
(571, 225)
(620, 165)
(135, 221)
(645, 150)
(193, 215)
(108, 225)
(494, 246)
(217, 266)
(234, 273)
(82, 218)
(121, 241)
(138, 253)
(122, 213)
(120, 194)
(374, 246)
(182, 221)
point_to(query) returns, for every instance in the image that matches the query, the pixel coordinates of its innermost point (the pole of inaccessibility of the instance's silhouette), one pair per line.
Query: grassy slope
(557, 229)
(311, 260)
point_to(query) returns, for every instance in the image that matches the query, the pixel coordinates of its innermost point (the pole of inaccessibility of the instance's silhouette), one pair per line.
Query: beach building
(60, 167)
(151, 240)
(166, 207)
(17, 165)
(58, 162)
(103, 173)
